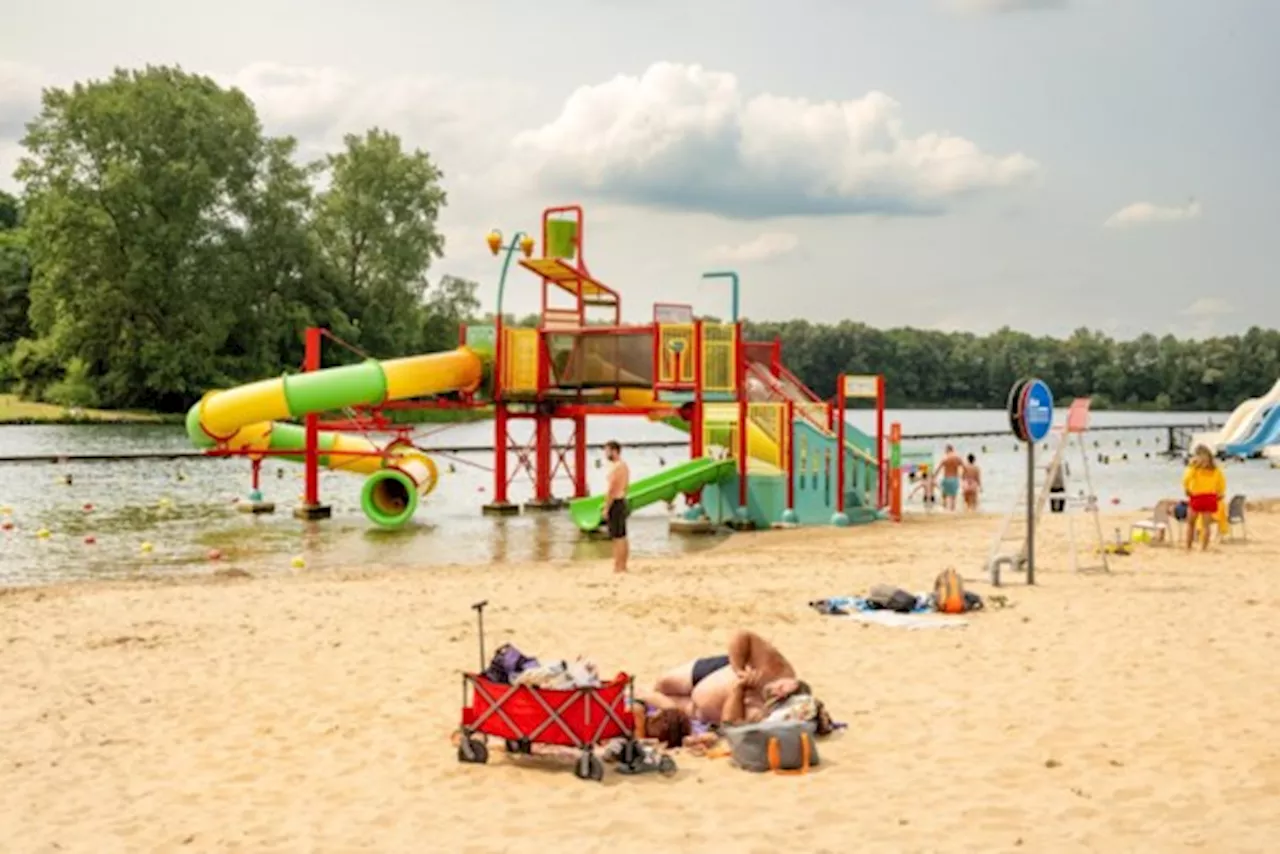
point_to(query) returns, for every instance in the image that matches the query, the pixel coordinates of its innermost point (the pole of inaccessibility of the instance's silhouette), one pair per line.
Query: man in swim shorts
(615, 505)
(949, 471)
(751, 683)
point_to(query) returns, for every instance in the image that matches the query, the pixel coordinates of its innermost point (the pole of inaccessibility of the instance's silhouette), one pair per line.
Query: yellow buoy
(146, 547)
(6, 510)
(43, 533)
(164, 502)
(298, 562)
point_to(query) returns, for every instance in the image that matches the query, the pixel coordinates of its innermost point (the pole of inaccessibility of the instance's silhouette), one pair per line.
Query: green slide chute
(587, 513)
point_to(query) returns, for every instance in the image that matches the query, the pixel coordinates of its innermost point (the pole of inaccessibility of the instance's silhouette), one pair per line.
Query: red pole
(542, 458)
(789, 462)
(696, 448)
(881, 494)
(312, 363)
(895, 476)
(500, 453)
(580, 456)
(739, 377)
(839, 416)
(257, 475)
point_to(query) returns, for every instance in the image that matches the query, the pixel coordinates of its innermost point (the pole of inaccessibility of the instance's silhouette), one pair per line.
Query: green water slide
(587, 513)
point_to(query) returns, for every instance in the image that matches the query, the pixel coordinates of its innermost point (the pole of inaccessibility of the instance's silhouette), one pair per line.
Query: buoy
(146, 547)
(90, 539)
(88, 508)
(298, 562)
(6, 525)
(43, 533)
(163, 502)
(6, 510)
(480, 488)
(215, 554)
(1115, 500)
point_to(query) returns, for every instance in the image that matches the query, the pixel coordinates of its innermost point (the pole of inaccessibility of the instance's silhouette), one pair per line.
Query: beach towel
(908, 621)
(845, 605)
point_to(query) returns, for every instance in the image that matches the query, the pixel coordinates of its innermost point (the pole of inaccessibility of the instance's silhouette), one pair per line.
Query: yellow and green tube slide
(250, 418)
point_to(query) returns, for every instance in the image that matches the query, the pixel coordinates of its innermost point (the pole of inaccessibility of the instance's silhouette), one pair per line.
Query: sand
(1135, 712)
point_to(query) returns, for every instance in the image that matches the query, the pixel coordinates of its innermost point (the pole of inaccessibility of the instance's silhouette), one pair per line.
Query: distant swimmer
(949, 471)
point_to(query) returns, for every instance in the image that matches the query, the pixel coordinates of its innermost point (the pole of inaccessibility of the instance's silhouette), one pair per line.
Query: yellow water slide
(250, 418)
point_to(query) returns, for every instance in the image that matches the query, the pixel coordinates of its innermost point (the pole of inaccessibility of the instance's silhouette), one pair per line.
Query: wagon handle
(479, 607)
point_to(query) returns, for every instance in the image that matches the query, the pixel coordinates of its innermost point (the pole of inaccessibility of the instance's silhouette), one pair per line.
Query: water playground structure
(764, 449)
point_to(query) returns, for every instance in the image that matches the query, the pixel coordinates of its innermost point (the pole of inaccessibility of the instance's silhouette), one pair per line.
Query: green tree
(450, 303)
(376, 227)
(132, 185)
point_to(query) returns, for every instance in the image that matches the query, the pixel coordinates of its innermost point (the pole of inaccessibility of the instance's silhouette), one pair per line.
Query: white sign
(862, 385)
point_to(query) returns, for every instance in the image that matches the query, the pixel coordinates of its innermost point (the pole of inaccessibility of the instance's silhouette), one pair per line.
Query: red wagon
(522, 716)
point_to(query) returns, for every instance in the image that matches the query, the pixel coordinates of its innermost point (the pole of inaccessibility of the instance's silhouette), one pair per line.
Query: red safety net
(616, 359)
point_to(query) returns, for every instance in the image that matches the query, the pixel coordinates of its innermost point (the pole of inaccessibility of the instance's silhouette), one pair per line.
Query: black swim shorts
(616, 520)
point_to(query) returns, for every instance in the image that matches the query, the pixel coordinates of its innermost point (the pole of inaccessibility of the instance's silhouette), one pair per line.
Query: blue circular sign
(1036, 410)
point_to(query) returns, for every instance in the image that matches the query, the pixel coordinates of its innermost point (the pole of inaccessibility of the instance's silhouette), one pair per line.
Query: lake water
(185, 508)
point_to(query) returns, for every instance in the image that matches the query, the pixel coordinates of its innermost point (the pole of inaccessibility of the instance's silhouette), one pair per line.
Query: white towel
(909, 621)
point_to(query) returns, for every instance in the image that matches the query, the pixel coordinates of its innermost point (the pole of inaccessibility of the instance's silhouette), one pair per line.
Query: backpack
(886, 597)
(508, 663)
(783, 747)
(948, 592)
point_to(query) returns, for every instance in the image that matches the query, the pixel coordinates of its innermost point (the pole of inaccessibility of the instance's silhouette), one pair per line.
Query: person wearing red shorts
(1206, 487)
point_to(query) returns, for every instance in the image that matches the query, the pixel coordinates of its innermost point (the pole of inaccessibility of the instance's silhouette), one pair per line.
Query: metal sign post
(1031, 418)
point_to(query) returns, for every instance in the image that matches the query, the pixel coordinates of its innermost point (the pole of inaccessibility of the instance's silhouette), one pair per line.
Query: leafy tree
(376, 226)
(132, 185)
(451, 302)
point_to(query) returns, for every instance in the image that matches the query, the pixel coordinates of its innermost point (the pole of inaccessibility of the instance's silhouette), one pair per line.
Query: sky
(945, 164)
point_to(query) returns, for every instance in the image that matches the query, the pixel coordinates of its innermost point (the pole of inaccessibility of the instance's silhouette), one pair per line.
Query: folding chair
(1235, 517)
(1162, 521)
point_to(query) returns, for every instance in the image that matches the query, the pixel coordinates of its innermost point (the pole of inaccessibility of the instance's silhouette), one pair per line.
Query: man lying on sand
(754, 682)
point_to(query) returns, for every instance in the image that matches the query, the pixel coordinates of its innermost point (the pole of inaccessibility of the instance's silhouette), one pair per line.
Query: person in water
(1206, 488)
(751, 683)
(971, 483)
(949, 471)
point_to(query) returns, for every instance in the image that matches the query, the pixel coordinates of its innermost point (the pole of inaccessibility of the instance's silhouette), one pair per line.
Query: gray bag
(779, 746)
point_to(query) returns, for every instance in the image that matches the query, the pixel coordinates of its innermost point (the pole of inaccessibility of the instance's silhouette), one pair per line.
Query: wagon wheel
(667, 766)
(589, 767)
(473, 751)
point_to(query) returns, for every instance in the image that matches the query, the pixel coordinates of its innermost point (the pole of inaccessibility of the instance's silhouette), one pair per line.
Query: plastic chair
(1235, 517)
(1162, 522)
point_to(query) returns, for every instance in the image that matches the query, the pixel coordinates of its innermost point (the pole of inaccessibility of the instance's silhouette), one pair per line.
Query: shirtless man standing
(615, 505)
(949, 472)
(744, 686)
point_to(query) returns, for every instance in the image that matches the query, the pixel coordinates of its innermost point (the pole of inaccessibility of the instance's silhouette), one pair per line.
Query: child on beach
(925, 488)
(1206, 488)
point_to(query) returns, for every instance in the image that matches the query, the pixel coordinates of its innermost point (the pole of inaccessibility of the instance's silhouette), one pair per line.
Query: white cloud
(1145, 213)
(763, 247)
(1002, 7)
(683, 137)
(453, 119)
(1207, 307)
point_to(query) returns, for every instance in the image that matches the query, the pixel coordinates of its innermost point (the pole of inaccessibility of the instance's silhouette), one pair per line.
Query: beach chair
(1162, 522)
(1235, 518)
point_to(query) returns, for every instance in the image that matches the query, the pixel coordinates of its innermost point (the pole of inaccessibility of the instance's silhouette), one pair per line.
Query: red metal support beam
(840, 440)
(580, 456)
(312, 460)
(740, 373)
(882, 496)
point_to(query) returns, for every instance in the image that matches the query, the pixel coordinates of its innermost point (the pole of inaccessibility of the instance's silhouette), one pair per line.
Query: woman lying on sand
(754, 682)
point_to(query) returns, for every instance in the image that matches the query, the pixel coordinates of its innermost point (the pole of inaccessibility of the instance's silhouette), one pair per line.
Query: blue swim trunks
(950, 487)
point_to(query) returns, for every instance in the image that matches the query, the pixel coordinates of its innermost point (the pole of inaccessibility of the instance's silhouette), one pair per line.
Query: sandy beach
(313, 713)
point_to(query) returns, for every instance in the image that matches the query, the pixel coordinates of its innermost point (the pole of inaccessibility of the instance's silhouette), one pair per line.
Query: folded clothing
(560, 675)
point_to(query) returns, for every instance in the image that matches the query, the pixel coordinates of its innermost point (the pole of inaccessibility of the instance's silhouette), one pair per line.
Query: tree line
(163, 244)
